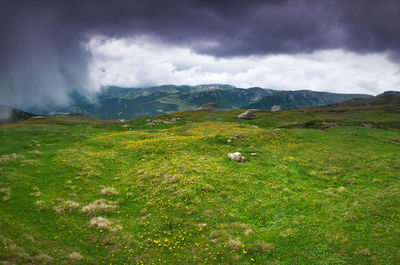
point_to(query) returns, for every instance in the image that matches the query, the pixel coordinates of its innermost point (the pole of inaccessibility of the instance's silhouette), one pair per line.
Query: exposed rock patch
(166, 121)
(37, 117)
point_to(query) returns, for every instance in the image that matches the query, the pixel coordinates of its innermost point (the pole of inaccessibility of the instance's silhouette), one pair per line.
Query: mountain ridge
(114, 102)
(302, 98)
(126, 103)
(157, 100)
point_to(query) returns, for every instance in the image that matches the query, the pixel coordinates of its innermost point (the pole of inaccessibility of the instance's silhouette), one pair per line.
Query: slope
(161, 189)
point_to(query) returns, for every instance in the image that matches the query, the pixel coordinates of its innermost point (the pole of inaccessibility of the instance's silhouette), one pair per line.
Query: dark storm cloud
(372, 26)
(42, 57)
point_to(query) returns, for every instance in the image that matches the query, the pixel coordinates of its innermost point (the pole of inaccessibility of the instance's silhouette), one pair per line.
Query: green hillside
(322, 187)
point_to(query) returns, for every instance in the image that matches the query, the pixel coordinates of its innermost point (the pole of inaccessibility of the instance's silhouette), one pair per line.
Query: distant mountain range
(386, 98)
(127, 103)
(300, 99)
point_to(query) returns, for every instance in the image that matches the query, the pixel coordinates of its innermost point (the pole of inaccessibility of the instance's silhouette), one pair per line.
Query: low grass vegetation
(320, 186)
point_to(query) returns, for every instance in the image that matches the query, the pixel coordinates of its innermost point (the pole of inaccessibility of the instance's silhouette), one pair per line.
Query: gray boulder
(248, 114)
(209, 106)
(276, 108)
(237, 157)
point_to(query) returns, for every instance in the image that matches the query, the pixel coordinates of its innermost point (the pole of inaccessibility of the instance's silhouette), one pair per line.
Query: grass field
(161, 190)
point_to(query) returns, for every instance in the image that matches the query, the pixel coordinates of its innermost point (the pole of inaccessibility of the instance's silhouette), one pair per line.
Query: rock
(209, 106)
(276, 108)
(248, 115)
(166, 121)
(237, 157)
(253, 154)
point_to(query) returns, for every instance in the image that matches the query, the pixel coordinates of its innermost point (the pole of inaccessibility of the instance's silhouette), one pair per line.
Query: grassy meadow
(321, 186)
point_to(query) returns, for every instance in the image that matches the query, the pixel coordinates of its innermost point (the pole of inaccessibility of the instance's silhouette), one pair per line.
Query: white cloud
(142, 62)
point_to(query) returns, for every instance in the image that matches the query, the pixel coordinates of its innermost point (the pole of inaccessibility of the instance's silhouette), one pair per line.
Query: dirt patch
(330, 125)
(394, 140)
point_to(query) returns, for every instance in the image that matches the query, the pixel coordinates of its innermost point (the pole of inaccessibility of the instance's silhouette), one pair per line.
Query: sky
(50, 48)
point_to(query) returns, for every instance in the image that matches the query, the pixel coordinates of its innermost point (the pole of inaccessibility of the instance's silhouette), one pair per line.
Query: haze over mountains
(12, 115)
(126, 103)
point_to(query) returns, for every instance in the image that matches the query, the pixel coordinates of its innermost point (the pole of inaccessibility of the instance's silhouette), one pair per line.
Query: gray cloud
(42, 58)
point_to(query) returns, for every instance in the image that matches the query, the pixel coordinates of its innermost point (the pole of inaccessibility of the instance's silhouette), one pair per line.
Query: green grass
(308, 196)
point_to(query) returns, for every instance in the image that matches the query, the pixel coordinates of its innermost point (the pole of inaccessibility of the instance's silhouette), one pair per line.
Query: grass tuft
(108, 191)
(75, 256)
(44, 259)
(99, 206)
(235, 244)
(100, 223)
